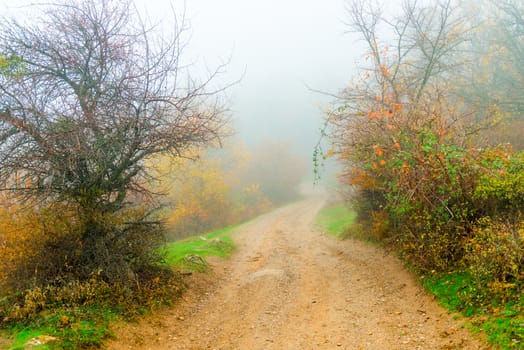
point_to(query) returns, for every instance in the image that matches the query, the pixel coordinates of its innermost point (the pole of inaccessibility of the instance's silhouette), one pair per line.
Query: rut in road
(290, 287)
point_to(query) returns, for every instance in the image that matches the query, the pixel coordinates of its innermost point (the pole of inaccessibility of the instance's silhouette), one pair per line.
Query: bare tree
(88, 92)
(500, 57)
(418, 47)
(99, 93)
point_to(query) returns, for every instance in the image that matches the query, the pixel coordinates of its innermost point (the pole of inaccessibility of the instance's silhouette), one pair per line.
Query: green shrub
(495, 256)
(500, 188)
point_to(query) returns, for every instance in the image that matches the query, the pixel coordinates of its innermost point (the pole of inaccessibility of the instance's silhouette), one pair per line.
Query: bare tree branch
(101, 91)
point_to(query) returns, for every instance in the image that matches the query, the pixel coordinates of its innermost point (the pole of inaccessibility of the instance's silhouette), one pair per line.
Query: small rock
(41, 340)
(217, 241)
(195, 259)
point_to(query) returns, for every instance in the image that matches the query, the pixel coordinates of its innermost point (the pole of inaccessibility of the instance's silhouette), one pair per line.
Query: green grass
(218, 243)
(335, 219)
(455, 291)
(81, 327)
(501, 321)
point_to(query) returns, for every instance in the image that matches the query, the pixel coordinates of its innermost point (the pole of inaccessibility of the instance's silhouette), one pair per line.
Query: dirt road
(290, 287)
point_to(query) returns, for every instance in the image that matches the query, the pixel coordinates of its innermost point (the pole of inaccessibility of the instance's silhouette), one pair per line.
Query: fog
(280, 51)
(276, 53)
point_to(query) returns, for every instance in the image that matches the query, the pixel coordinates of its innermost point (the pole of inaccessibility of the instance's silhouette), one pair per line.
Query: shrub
(54, 245)
(148, 292)
(495, 256)
(55, 259)
(500, 188)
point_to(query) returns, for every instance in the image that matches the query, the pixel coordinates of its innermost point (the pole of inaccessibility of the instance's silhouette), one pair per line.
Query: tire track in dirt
(290, 287)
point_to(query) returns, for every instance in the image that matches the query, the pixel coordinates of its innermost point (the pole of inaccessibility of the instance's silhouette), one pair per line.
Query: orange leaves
(385, 72)
(378, 151)
(329, 153)
(374, 115)
(405, 168)
(389, 111)
(396, 144)
(382, 112)
(397, 107)
(357, 177)
(22, 234)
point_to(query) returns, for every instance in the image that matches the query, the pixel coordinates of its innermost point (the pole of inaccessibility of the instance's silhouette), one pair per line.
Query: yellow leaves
(23, 231)
(3, 61)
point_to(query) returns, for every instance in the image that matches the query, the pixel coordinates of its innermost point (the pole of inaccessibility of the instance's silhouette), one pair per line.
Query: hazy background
(278, 48)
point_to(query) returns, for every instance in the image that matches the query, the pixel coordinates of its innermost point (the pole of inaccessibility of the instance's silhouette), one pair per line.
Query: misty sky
(283, 46)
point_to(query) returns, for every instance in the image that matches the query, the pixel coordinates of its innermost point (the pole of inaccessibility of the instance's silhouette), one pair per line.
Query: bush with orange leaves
(411, 163)
(417, 174)
(409, 143)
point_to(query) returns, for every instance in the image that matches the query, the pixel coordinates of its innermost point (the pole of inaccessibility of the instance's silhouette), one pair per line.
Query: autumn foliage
(207, 191)
(424, 175)
(215, 188)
